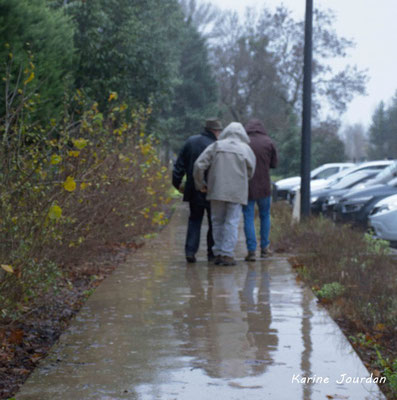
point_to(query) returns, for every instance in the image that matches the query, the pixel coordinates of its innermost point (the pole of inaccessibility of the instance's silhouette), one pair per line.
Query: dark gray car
(323, 200)
(355, 207)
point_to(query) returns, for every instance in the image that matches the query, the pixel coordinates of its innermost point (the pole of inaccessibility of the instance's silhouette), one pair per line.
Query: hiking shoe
(250, 256)
(218, 260)
(191, 259)
(211, 257)
(266, 252)
(227, 261)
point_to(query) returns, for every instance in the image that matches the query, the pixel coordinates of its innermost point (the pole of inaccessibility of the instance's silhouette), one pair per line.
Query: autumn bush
(70, 186)
(330, 256)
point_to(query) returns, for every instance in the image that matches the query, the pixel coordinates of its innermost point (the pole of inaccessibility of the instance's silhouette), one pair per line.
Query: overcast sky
(372, 24)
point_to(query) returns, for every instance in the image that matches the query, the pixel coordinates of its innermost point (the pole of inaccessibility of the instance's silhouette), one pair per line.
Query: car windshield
(351, 170)
(327, 173)
(353, 179)
(319, 171)
(337, 177)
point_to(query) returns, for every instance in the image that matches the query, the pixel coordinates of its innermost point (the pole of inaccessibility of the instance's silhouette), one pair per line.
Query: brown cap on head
(214, 124)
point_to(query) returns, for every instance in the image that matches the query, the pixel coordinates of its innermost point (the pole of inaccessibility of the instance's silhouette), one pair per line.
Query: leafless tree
(245, 69)
(262, 57)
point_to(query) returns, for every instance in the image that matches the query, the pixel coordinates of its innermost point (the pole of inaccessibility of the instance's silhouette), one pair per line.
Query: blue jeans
(249, 223)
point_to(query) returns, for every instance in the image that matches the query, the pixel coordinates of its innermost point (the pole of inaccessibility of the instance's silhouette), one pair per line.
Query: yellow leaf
(69, 184)
(83, 185)
(74, 153)
(380, 327)
(55, 212)
(7, 268)
(80, 143)
(31, 77)
(55, 159)
(112, 96)
(150, 191)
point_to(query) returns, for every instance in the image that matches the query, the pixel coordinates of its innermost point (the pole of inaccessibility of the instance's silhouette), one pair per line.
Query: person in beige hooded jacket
(223, 171)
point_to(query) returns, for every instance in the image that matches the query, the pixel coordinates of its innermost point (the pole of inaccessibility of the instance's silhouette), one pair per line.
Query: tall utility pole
(307, 111)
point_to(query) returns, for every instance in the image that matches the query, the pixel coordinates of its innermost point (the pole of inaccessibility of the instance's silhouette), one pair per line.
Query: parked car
(355, 206)
(333, 179)
(324, 171)
(383, 219)
(323, 200)
(384, 176)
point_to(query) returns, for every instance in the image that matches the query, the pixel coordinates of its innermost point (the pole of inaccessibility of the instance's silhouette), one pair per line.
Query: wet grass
(354, 276)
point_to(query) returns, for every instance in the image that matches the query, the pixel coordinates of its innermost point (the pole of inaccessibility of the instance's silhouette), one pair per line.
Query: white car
(388, 168)
(322, 172)
(316, 184)
(383, 218)
(384, 176)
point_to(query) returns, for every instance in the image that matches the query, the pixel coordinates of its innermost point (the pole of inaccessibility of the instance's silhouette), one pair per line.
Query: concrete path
(157, 329)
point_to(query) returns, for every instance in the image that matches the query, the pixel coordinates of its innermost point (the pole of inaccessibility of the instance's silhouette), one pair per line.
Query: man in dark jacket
(198, 204)
(259, 190)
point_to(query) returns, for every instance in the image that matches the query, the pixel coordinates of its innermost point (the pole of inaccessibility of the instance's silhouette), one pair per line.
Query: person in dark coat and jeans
(198, 204)
(259, 190)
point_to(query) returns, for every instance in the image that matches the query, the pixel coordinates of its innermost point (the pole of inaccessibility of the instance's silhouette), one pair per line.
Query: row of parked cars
(364, 194)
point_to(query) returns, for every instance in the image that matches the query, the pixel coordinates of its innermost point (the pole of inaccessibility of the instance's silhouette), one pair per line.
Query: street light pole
(306, 112)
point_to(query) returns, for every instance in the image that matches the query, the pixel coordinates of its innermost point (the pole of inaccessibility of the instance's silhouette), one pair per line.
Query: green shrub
(389, 370)
(330, 291)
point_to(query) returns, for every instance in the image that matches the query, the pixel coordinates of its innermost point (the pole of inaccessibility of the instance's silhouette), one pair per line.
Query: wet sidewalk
(157, 329)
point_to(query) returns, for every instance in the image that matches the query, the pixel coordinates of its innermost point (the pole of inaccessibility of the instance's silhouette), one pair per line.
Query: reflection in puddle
(223, 326)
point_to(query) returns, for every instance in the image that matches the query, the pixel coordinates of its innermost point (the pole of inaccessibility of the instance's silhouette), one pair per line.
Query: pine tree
(30, 26)
(126, 47)
(378, 133)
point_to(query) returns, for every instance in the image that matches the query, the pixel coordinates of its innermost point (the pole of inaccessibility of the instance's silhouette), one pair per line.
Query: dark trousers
(194, 229)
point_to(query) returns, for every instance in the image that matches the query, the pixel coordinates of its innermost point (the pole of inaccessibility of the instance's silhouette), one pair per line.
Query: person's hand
(203, 189)
(181, 188)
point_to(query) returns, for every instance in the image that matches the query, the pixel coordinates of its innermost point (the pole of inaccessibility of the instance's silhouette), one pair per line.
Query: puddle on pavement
(157, 329)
